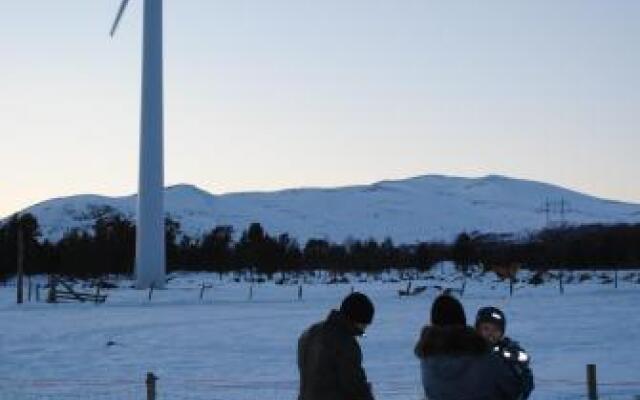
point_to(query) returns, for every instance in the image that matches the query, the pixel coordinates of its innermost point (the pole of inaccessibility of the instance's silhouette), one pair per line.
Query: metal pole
(150, 230)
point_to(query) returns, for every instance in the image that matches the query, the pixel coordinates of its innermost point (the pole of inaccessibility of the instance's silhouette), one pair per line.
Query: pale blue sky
(267, 94)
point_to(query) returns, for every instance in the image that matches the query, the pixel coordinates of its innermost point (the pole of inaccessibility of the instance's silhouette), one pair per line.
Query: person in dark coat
(491, 324)
(329, 357)
(456, 362)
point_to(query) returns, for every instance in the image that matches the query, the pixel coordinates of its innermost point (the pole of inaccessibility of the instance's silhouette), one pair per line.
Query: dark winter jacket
(457, 364)
(519, 361)
(330, 362)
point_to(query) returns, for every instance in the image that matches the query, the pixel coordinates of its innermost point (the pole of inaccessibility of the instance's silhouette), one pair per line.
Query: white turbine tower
(150, 234)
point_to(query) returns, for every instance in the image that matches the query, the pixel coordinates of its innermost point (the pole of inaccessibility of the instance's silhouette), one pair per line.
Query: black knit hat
(358, 308)
(447, 310)
(493, 315)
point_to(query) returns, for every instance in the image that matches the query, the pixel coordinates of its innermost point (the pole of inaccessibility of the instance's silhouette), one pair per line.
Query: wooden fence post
(52, 296)
(30, 288)
(151, 386)
(20, 242)
(98, 291)
(592, 382)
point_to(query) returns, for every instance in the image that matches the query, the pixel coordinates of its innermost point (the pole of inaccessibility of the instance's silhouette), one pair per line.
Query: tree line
(109, 248)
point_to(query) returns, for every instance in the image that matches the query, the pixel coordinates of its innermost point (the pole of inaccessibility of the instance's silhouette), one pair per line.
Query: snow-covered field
(228, 347)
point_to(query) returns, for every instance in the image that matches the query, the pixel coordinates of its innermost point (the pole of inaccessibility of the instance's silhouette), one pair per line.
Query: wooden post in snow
(98, 291)
(52, 296)
(151, 386)
(19, 284)
(592, 382)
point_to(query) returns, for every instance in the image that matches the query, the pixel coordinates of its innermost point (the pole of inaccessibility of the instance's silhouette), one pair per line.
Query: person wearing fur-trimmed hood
(456, 363)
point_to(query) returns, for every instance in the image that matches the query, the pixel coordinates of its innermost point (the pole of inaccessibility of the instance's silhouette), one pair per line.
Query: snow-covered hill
(431, 207)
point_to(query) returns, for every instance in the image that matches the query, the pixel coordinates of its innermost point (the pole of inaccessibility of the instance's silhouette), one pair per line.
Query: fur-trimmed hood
(457, 364)
(449, 340)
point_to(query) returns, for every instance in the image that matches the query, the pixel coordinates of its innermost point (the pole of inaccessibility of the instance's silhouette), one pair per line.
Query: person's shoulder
(519, 354)
(509, 343)
(450, 340)
(329, 329)
(313, 330)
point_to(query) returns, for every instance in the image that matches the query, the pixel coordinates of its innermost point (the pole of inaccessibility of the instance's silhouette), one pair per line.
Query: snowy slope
(422, 208)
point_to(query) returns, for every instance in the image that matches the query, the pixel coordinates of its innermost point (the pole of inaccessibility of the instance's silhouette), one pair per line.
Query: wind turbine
(150, 234)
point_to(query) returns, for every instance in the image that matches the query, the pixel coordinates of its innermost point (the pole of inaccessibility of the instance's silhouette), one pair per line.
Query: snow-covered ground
(228, 347)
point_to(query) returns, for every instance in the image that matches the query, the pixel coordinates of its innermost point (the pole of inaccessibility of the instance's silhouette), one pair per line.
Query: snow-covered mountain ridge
(430, 207)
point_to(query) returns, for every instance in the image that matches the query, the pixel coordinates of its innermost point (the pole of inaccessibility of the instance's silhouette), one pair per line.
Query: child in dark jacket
(491, 325)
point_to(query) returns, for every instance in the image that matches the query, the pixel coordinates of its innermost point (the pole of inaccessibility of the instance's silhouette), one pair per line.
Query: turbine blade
(123, 5)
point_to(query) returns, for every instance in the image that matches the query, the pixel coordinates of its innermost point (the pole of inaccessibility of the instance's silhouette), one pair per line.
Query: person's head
(446, 310)
(491, 324)
(359, 310)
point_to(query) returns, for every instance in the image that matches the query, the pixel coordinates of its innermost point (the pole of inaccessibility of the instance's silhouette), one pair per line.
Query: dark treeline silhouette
(109, 248)
(566, 248)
